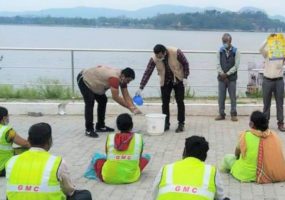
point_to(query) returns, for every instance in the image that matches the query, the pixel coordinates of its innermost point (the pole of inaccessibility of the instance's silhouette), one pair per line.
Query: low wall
(77, 108)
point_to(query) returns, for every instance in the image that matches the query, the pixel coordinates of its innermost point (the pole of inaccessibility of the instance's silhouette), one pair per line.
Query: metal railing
(72, 52)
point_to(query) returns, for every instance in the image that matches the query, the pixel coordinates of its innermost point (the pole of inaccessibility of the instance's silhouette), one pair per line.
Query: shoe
(166, 127)
(180, 128)
(234, 118)
(104, 129)
(91, 133)
(220, 117)
(281, 127)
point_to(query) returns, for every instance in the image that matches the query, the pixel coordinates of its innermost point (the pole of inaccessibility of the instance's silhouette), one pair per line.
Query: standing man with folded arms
(228, 60)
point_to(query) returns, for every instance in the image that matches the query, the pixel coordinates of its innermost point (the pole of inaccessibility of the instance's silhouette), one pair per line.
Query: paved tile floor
(76, 149)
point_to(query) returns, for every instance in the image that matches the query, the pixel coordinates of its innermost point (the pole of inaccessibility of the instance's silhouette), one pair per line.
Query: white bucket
(155, 123)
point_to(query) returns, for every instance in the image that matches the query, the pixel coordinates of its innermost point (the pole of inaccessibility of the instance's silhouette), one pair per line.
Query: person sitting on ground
(36, 174)
(124, 161)
(189, 178)
(258, 155)
(8, 136)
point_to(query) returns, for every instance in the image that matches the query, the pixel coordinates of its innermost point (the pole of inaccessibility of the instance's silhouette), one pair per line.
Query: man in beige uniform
(273, 83)
(173, 69)
(93, 84)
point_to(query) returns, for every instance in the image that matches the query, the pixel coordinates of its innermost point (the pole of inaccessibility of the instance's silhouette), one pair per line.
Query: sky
(272, 7)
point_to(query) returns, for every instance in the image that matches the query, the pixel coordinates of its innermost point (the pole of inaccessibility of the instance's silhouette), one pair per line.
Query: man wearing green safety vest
(8, 136)
(38, 175)
(124, 160)
(190, 178)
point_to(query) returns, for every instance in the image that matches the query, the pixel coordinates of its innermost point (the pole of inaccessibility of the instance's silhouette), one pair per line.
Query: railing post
(72, 72)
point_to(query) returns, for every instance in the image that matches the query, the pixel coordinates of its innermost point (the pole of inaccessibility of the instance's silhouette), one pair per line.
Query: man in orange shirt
(93, 84)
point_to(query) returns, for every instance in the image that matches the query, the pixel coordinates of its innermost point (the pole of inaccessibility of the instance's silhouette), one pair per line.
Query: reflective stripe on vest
(134, 156)
(6, 147)
(186, 189)
(3, 144)
(43, 187)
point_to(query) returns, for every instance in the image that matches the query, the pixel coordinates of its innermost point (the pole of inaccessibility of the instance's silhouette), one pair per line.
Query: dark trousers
(179, 97)
(89, 100)
(276, 87)
(231, 87)
(3, 173)
(80, 195)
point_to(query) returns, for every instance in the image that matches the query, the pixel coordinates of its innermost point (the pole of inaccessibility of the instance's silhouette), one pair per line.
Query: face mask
(226, 45)
(161, 59)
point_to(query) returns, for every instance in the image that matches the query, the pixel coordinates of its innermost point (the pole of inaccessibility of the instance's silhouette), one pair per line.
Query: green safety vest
(188, 179)
(6, 150)
(122, 166)
(244, 169)
(33, 176)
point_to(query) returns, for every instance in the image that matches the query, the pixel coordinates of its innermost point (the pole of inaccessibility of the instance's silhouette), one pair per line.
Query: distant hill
(208, 20)
(89, 12)
(147, 12)
(279, 17)
(250, 10)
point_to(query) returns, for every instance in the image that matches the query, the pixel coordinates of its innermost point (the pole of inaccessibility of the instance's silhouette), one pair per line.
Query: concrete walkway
(76, 149)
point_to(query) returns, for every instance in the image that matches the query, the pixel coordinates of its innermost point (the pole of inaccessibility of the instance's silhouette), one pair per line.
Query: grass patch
(45, 89)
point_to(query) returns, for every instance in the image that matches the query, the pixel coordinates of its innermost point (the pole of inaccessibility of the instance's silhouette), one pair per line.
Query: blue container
(138, 100)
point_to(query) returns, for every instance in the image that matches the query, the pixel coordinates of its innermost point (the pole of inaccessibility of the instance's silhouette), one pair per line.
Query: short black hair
(39, 134)
(159, 48)
(259, 120)
(228, 36)
(124, 122)
(196, 146)
(3, 112)
(129, 73)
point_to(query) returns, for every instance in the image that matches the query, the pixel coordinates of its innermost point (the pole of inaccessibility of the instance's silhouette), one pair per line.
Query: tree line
(208, 20)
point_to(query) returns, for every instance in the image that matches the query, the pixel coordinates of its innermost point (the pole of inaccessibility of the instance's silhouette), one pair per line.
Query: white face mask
(161, 59)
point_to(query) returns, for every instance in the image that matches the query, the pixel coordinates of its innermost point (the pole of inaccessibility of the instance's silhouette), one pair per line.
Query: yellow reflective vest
(188, 179)
(33, 176)
(6, 150)
(122, 166)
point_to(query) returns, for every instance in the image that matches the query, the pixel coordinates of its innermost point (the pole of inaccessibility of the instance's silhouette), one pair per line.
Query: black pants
(3, 173)
(275, 87)
(89, 100)
(80, 195)
(179, 97)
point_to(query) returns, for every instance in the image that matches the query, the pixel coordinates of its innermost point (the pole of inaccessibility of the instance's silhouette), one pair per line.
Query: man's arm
(184, 62)
(149, 69)
(66, 183)
(116, 97)
(263, 50)
(219, 67)
(237, 63)
(155, 186)
(219, 187)
(15, 138)
(126, 101)
(129, 101)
